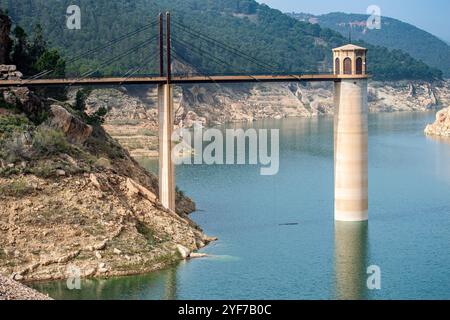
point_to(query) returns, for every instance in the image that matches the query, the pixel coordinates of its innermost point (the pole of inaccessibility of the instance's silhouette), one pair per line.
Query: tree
(34, 57)
(39, 45)
(5, 40)
(270, 36)
(51, 60)
(80, 99)
(20, 53)
(98, 118)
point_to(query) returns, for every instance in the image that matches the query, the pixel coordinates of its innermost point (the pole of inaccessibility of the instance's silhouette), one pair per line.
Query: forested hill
(269, 35)
(394, 34)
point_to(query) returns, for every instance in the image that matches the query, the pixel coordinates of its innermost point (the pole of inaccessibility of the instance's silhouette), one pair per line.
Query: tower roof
(349, 47)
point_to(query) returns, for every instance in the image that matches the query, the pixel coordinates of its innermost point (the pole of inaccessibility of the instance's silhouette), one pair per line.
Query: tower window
(347, 66)
(359, 65)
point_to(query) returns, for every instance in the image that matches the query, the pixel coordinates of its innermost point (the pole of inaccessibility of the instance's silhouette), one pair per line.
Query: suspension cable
(224, 46)
(142, 66)
(184, 60)
(202, 52)
(114, 59)
(195, 34)
(99, 48)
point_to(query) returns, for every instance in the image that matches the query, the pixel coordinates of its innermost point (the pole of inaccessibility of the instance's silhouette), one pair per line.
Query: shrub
(103, 163)
(16, 148)
(43, 171)
(98, 118)
(80, 99)
(48, 141)
(10, 124)
(16, 188)
(4, 104)
(13, 137)
(146, 232)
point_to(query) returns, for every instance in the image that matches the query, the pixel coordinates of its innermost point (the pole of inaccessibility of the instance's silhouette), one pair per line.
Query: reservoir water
(277, 237)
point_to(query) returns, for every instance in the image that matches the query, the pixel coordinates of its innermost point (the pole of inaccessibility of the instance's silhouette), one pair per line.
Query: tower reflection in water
(351, 248)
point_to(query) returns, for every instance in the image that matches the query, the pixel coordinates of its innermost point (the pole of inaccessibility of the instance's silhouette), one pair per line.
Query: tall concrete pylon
(166, 165)
(351, 134)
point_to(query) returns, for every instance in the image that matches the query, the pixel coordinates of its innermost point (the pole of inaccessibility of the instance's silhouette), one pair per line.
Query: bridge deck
(176, 80)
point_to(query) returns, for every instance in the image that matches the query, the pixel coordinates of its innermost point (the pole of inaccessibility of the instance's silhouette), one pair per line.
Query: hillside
(269, 35)
(394, 34)
(72, 196)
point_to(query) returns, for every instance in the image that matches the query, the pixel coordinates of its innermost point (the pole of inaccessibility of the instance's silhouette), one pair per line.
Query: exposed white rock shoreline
(440, 128)
(132, 117)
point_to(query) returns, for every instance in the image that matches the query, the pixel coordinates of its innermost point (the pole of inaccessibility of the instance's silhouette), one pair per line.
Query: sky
(430, 15)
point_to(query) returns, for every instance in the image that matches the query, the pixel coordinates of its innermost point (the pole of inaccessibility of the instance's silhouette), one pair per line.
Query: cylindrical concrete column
(351, 150)
(166, 165)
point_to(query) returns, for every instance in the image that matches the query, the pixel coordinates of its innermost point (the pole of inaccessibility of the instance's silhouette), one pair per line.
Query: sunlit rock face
(441, 127)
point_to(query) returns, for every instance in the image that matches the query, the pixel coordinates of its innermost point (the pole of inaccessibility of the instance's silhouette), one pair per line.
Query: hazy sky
(430, 15)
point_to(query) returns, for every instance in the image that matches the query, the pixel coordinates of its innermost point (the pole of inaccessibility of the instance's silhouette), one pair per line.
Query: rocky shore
(13, 290)
(441, 127)
(72, 199)
(132, 117)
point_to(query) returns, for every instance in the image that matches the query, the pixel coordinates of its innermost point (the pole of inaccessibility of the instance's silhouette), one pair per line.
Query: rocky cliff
(132, 117)
(441, 128)
(71, 198)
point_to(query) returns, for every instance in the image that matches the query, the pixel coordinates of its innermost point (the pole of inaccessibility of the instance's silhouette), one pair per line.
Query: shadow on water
(351, 249)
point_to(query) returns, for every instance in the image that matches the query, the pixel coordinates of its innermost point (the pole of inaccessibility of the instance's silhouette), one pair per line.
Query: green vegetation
(33, 56)
(98, 117)
(394, 34)
(103, 163)
(48, 141)
(266, 34)
(146, 232)
(5, 105)
(39, 150)
(16, 188)
(13, 136)
(99, 145)
(11, 124)
(80, 99)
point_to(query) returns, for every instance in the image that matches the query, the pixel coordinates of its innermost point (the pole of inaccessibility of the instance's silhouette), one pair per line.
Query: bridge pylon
(167, 192)
(166, 165)
(350, 135)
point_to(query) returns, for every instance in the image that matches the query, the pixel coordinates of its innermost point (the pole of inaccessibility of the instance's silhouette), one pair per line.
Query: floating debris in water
(289, 224)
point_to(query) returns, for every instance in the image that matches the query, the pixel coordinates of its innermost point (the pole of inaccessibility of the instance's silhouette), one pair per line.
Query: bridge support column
(166, 165)
(351, 150)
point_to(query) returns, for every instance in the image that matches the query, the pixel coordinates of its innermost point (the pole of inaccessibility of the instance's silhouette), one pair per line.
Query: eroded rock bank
(132, 117)
(72, 199)
(13, 290)
(102, 224)
(441, 127)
